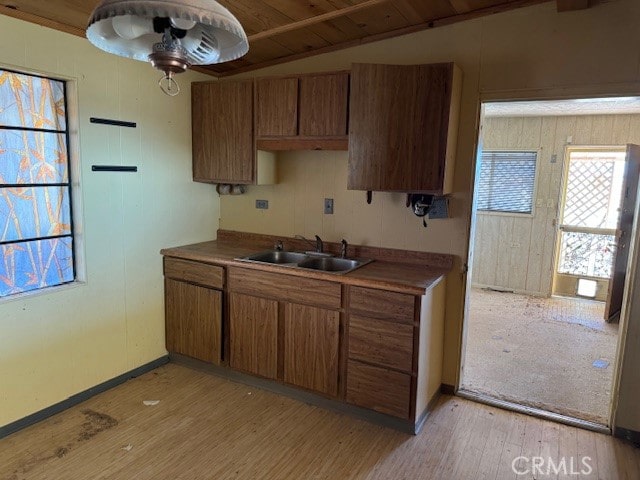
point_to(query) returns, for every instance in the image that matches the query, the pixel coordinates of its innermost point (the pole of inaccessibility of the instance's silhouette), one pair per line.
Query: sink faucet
(318, 244)
(343, 248)
(278, 246)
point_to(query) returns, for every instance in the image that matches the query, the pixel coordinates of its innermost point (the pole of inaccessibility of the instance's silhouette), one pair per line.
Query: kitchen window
(507, 181)
(36, 228)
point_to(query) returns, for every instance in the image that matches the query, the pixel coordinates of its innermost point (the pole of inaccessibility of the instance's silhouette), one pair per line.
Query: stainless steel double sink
(309, 260)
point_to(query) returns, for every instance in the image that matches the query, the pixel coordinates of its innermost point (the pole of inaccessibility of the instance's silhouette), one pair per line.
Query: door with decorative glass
(599, 184)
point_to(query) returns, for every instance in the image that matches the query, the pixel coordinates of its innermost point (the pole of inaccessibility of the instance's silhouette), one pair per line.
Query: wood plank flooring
(206, 427)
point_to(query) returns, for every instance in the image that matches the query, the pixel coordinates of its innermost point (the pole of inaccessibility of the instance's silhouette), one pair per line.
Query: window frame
(534, 199)
(70, 93)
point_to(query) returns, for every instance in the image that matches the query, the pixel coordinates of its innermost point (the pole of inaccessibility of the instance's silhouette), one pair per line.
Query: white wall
(56, 344)
(532, 52)
(517, 252)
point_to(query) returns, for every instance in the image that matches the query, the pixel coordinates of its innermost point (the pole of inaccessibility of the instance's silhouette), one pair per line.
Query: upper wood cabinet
(306, 112)
(277, 107)
(324, 101)
(403, 123)
(222, 125)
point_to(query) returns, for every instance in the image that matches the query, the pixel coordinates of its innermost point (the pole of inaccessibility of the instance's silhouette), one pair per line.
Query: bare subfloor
(208, 428)
(540, 352)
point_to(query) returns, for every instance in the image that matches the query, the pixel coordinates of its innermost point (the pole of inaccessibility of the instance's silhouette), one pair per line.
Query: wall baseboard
(628, 435)
(74, 400)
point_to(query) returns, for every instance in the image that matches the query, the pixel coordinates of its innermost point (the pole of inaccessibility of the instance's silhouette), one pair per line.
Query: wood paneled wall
(516, 252)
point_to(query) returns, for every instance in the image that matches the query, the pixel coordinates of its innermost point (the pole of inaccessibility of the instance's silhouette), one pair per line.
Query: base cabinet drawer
(374, 303)
(379, 389)
(194, 272)
(380, 342)
(285, 288)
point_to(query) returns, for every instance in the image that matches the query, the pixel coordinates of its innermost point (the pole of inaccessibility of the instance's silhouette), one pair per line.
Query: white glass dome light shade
(215, 35)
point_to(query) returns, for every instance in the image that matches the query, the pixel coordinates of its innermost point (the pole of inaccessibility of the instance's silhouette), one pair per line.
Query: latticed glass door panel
(590, 213)
(587, 254)
(594, 188)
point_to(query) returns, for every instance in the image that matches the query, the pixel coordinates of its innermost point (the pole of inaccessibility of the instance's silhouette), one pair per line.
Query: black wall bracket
(113, 168)
(115, 123)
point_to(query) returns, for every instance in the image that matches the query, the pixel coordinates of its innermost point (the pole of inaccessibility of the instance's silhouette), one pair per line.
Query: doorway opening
(553, 209)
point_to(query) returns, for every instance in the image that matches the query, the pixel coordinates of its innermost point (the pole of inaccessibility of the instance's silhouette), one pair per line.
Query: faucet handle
(278, 246)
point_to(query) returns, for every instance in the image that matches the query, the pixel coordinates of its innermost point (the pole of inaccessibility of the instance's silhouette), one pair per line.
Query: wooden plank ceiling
(285, 30)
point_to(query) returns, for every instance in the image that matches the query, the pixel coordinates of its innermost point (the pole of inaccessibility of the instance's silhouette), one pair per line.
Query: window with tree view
(36, 236)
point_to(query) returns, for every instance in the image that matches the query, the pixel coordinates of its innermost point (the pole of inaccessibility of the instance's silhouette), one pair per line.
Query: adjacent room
(333, 239)
(554, 180)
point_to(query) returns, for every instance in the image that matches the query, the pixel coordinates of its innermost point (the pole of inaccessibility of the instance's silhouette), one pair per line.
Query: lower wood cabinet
(373, 348)
(311, 342)
(380, 389)
(253, 335)
(380, 367)
(193, 320)
(274, 336)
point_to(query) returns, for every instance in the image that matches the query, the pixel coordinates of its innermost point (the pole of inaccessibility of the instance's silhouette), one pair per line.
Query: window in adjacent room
(507, 181)
(36, 231)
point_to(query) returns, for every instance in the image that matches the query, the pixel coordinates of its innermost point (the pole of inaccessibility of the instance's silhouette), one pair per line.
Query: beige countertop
(403, 277)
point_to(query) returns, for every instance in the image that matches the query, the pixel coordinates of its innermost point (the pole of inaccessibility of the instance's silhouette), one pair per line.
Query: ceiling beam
(45, 22)
(324, 17)
(571, 5)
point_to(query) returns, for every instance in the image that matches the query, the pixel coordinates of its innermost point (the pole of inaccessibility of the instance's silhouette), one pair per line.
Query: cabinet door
(253, 335)
(399, 127)
(323, 105)
(277, 107)
(222, 123)
(311, 340)
(193, 320)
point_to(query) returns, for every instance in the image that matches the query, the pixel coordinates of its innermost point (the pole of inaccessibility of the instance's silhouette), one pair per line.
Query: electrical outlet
(328, 206)
(262, 204)
(439, 208)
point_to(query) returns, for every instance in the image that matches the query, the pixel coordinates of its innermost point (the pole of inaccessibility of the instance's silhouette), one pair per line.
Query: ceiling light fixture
(171, 35)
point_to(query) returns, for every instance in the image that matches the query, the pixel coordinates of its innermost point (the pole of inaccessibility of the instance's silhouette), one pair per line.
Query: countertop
(387, 275)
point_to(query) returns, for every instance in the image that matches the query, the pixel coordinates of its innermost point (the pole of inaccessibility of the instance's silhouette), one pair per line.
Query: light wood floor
(208, 428)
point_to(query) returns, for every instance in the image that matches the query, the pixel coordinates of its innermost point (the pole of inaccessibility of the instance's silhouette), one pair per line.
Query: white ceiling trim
(588, 106)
